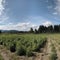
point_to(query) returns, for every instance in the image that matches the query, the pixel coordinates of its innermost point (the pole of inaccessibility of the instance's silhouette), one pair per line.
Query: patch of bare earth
(3, 54)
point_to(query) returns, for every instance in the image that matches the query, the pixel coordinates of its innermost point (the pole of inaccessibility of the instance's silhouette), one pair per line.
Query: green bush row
(23, 45)
(53, 55)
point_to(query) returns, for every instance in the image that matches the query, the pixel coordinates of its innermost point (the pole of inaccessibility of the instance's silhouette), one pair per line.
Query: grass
(1, 58)
(53, 55)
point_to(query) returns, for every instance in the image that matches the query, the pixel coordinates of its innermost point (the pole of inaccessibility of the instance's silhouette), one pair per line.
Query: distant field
(30, 46)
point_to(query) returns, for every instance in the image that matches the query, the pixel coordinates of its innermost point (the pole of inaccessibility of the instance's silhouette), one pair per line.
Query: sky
(24, 14)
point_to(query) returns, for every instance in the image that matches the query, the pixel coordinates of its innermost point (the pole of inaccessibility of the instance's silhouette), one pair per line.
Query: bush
(21, 51)
(1, 42)
(13, 48)
(29, 52)
(53, 56)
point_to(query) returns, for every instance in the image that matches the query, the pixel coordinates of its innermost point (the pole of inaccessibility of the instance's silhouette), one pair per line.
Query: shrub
(13, 48)
(21, 51)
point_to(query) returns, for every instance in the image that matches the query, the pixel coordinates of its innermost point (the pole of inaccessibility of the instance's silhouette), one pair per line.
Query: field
(29, 46)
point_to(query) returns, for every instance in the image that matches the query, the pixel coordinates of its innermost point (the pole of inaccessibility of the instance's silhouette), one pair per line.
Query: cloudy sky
(23, 14)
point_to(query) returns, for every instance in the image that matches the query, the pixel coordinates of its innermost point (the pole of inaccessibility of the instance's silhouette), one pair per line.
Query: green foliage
(53, 55)
(1, 58)
(23, 44)
(21, 50)
(29, 51)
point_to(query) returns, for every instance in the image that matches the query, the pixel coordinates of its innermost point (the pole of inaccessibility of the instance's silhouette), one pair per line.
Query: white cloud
(47, 23)
(18, 26)
(3, 15)
(1, 6)
(57, 7)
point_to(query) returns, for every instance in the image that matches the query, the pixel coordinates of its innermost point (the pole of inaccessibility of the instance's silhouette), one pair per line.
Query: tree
(31, 30)
(36, 31)
(50, 29)
(42, 29)
(0, 31)
(59, 28)
(56, 28)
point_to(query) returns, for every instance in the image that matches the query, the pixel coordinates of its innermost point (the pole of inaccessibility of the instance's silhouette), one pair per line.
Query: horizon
(24, 14)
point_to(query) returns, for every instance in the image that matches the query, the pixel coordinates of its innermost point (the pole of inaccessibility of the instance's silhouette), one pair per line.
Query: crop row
(53, 55)
(23, 45)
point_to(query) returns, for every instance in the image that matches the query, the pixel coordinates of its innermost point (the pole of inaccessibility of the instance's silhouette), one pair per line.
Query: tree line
(44, 29)
(41, 29)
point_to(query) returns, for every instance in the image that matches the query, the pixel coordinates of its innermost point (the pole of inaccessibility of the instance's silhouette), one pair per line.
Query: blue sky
(24, 14)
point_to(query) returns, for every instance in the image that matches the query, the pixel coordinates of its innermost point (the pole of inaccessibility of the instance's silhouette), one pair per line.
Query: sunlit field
(30, 46)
